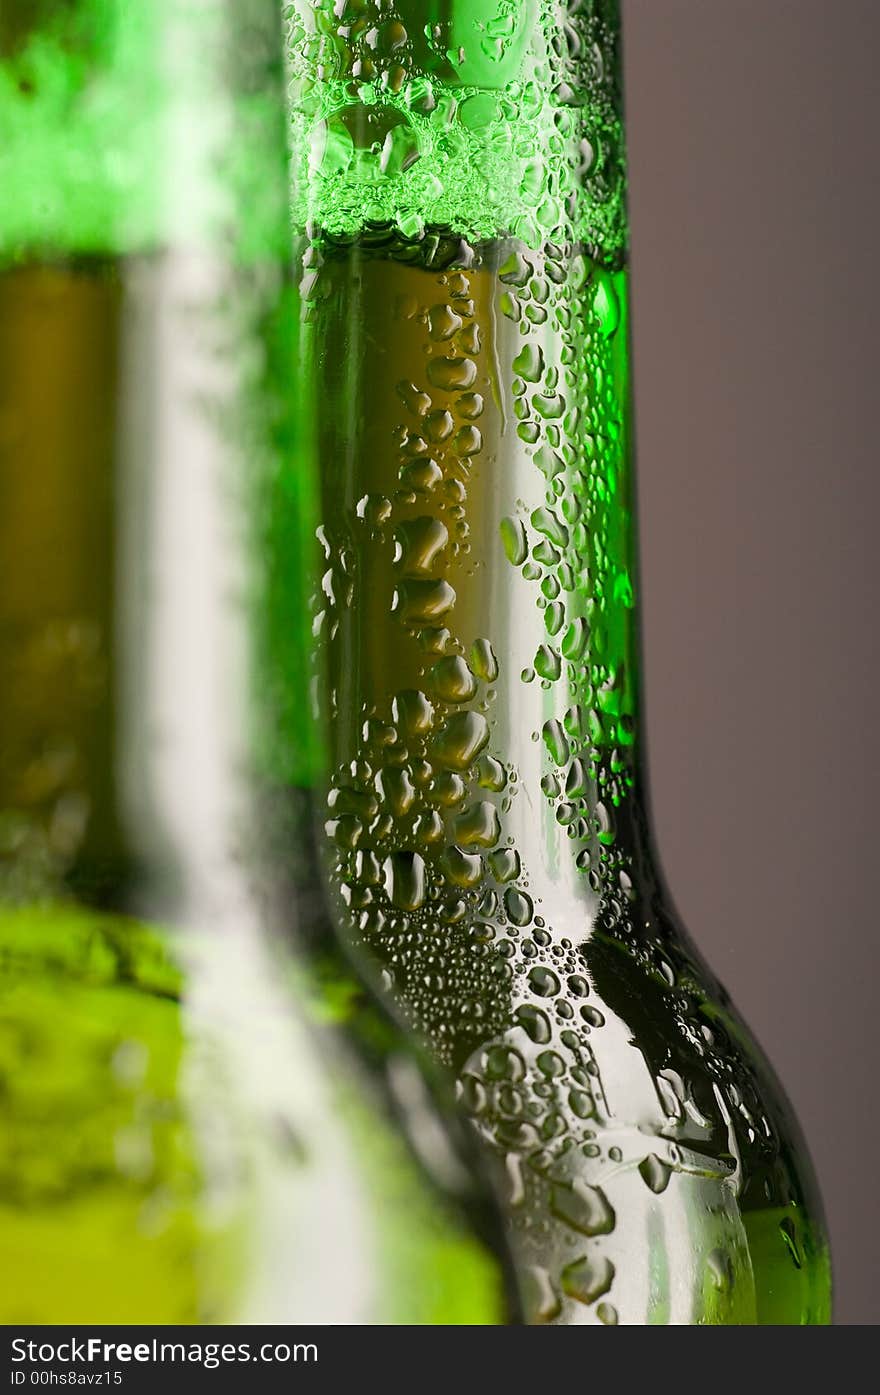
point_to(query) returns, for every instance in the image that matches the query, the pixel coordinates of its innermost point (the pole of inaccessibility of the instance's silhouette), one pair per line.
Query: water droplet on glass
(405, 880)
(556, 741)
(721, 1272)
(397, 790)
(422, 541)
(452, 680)
(574, 641)
(587, 1279)
(483, 661)
(513, 536)
(464, 869)
(443, 322)
(544, 982)
(491, 774)
(452, 374)
(586, 1209)
(548, 663)
(535, 1023)
(419, 603)
(479, 826)
(518, 906)
(505, 864)
(461, 739)
(529, 363)
(655, 1173)
(541, 1301)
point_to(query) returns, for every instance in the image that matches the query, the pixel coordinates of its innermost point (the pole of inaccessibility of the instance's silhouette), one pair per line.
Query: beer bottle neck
(59, 352)
(475, 597)
(128, 574)
(139, 305)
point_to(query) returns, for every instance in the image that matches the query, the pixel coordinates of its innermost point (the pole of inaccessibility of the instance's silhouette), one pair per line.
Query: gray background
(753, 133)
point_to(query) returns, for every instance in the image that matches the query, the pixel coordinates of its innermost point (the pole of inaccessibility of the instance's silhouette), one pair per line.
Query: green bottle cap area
(132, 125)
(487, 118)
(80, 113)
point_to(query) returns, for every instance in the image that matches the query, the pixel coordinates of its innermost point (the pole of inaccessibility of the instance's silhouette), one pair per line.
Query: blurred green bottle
(459, 198)
(185, 1134)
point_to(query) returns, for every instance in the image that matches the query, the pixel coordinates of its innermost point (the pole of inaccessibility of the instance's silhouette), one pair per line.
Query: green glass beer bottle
(184, 1135)
(459, 198)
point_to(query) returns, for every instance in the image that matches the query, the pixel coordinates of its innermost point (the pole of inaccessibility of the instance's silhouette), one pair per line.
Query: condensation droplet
(556, 741)
(721, 1272)
(452, 680)
(461, 739)
(405, 880)
(422, 541)
(419, 603)
(548, 663)
(581, 1104)
(505, 1063)
(516, 544)
(529, 363)
(505, 864)
(535, 1023)
(516, 1190)
(587, 1279)
(577, 783)
(479, 826)
(551, 1064)
(412, 712)
(546, 522)
(542, 1302)
(655, 1173)
(584, 1208)
(544, 982)
(518, 906)
(443, 322)
(397, 790)
(593, 1017)
(452, 374)
(415, 401)
(554, 618)
(574, 641)
(464, 869)
(483, 660)
(491, 774)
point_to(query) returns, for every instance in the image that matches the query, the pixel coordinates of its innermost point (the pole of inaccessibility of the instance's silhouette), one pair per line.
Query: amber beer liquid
(459, 197)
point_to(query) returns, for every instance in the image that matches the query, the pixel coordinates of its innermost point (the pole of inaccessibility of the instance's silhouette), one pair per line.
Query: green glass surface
(465, 466)
(186, 1135)
(109, 1179)
(97, 1157)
